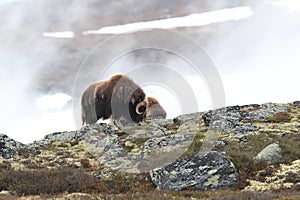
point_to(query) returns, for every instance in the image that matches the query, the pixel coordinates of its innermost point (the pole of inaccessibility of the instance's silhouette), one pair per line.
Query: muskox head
(150, 108)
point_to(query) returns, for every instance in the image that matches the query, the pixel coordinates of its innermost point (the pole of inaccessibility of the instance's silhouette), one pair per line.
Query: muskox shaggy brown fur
(119, 98)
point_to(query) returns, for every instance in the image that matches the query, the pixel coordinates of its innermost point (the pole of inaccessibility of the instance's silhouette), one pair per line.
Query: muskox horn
(137, 109)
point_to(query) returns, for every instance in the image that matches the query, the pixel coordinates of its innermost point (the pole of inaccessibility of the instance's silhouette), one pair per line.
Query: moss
(140, 141)
(128, 148)
(280, 117)
(135, 143)
(195, 146)
(62, 145)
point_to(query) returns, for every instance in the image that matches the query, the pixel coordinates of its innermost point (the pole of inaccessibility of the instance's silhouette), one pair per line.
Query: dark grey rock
(204, 171)
(9, 147)
(222, 119)
(296, 103)
(222, 125)
(243, 129)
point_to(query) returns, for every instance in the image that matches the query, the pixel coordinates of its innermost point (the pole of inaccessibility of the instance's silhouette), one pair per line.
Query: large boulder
(204, 171)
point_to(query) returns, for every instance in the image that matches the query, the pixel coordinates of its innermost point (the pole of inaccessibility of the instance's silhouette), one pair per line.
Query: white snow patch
(64, 34)
(200, 19)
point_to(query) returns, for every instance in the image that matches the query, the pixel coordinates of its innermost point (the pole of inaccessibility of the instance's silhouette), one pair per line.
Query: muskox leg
(88, 115)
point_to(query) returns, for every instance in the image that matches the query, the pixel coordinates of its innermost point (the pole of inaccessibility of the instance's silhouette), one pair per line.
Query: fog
(44, 43)
(259, 60)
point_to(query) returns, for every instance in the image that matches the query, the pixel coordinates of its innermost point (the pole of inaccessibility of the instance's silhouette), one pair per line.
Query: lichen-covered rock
(222, 119)
(8, 146)
(204, 171)
(228, 118)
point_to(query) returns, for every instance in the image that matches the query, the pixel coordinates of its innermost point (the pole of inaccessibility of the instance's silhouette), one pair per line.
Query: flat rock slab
(204, 171)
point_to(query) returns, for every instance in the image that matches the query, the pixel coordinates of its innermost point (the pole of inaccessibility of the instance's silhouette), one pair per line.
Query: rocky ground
(237, 152)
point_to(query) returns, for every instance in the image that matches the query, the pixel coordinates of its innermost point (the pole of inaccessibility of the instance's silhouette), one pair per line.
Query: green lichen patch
(214, 180)
(136, 143)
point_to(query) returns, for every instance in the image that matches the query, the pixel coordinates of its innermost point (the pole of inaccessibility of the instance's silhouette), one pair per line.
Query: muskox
(118, 98)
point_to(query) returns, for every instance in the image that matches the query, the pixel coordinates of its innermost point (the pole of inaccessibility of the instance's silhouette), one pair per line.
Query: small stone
(270, 154)
(78, 164)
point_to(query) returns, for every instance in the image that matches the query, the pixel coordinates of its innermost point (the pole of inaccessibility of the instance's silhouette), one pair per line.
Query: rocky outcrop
(204, 171)
(8, 146)
(248, 147)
